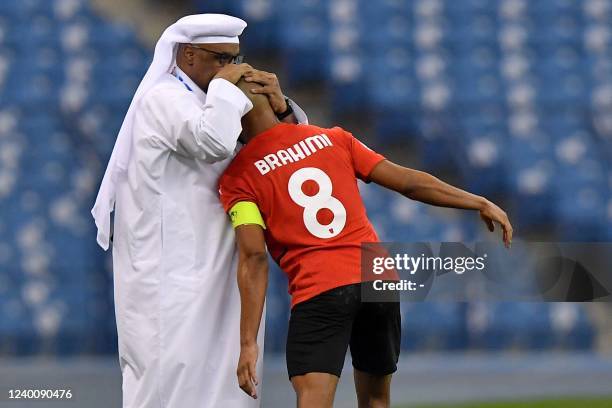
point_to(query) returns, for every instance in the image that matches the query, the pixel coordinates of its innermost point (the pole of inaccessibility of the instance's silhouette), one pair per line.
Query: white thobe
(174, 259)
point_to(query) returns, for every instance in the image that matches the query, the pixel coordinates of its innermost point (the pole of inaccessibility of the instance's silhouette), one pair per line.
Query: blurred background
(511, 99)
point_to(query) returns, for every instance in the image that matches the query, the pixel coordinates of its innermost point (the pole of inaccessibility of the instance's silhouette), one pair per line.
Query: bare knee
(372, 391)
(374, 401)
(308, 398)
(314, 390)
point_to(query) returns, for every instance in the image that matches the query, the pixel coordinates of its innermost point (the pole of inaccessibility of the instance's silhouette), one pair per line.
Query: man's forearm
(216, 128)
(428, 189)
(252, 283)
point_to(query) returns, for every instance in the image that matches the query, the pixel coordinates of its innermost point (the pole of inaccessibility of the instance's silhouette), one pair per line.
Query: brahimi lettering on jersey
(297, 152)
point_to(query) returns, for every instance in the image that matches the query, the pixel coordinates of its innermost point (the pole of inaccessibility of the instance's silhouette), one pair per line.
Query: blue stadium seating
(514, 325)
(433, 326)
(57, 297)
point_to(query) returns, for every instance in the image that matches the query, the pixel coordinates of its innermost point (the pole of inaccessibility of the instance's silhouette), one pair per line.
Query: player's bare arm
(252, 283)
(424, 187)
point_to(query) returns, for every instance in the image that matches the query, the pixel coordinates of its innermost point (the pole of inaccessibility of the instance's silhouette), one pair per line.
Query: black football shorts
(323, 327)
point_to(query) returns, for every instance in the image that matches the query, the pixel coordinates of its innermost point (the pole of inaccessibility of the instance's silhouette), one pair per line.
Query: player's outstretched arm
(252, 283)
(428, 189)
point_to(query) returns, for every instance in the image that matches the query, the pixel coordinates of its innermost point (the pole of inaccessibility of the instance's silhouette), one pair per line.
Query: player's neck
(258, 121)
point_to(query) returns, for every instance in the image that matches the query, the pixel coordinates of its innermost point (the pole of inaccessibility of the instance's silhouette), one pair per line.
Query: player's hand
(491, 214)
(247, 376)
(233, 72)
(270, 87)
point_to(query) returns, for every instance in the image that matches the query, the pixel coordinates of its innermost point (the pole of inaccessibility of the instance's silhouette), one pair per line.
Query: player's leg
(315, 389)
(375, 348)
(317, 341)
(373, 391)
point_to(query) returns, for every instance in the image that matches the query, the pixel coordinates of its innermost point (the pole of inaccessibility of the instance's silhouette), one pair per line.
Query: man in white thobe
(176, 299)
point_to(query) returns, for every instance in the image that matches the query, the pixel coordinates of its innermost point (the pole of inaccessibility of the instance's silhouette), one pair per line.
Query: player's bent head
(261, 117)
(258, 100)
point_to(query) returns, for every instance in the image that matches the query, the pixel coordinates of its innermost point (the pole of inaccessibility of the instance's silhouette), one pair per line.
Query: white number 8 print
(312, 204)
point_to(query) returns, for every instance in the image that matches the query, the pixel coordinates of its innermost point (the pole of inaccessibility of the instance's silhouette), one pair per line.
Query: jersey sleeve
(364, 159)
(234, 188)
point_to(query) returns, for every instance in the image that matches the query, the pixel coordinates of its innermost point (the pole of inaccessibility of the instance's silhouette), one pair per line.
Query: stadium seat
(433, 326)
(507, 325)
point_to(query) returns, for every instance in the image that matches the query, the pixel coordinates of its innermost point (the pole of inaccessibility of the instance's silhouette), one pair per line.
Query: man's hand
(233, 72)
(247, 375)
(270, 87)
(490, 214)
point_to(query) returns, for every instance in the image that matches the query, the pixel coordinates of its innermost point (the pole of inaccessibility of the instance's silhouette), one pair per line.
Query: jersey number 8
(312, 204)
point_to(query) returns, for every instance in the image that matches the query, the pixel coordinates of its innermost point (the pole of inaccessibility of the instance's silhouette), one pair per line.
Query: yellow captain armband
(246, 212)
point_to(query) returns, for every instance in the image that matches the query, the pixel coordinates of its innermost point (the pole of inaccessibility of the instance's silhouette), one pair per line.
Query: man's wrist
(282, 107)
(288, 110)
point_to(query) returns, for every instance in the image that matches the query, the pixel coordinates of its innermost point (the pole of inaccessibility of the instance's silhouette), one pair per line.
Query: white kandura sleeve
(208, 133)
(299, 113)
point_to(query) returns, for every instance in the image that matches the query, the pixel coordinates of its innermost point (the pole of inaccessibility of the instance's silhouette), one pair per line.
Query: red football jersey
(303, 179)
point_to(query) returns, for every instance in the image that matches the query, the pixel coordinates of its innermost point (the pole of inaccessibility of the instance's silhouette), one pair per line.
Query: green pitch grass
(559, 403)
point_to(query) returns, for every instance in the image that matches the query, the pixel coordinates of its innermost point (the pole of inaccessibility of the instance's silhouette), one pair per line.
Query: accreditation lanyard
(177, 76)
